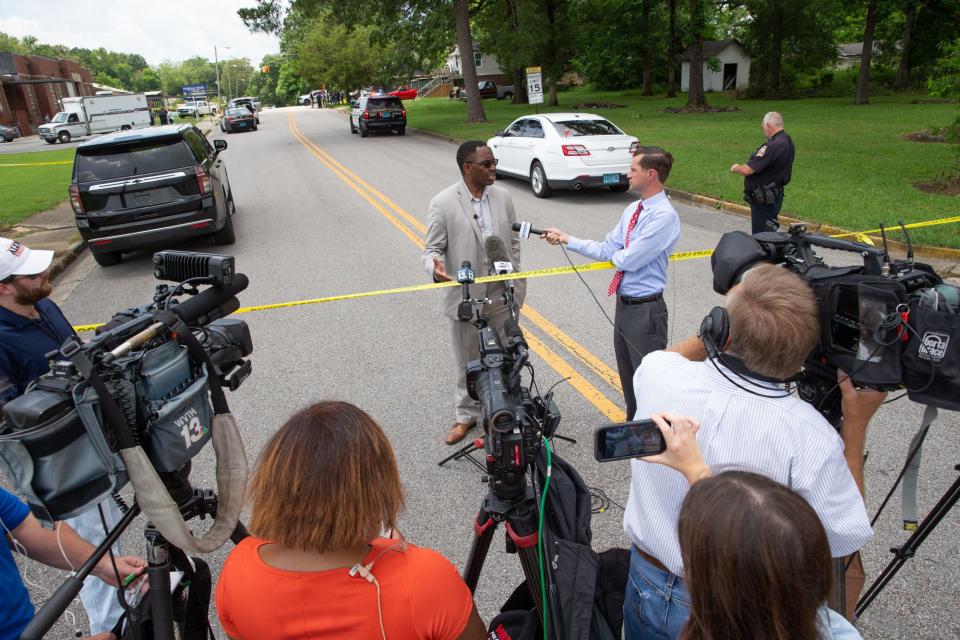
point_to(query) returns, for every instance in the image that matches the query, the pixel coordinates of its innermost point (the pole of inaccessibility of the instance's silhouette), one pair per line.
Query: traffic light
(265, 69)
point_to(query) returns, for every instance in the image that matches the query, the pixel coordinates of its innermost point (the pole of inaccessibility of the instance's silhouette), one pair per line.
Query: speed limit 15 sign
(534, 85)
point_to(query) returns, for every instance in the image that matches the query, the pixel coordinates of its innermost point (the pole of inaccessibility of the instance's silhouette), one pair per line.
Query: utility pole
(216, 66)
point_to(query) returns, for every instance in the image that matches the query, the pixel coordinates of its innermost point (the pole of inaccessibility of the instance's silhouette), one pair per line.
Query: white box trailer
(90, 115)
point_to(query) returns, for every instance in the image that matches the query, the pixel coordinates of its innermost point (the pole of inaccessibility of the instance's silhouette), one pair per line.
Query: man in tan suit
(461, 217)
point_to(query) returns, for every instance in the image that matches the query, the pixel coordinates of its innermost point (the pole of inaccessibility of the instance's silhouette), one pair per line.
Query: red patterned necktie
(618, 276)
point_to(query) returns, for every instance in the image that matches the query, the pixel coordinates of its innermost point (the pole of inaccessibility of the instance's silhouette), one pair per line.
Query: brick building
(31, 88)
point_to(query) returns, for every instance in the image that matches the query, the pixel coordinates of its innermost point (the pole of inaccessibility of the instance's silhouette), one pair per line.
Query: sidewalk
(56, 229)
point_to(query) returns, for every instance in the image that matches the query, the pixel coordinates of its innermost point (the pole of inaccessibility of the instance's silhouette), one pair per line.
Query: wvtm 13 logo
(191, 429)
(933, 347)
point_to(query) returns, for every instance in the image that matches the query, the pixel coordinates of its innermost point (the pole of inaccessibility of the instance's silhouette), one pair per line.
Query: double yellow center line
(414, 230)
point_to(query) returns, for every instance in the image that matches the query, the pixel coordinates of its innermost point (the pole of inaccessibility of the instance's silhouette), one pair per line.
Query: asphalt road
(312, 221)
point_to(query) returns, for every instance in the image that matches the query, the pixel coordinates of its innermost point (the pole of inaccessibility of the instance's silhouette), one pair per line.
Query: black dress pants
(639, 329)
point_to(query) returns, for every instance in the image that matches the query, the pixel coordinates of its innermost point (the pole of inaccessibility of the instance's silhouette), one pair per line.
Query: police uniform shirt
(772, 162)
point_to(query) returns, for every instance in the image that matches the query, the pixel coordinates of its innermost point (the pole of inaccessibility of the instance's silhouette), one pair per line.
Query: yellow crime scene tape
(537, 273)
(862, 236)
(33, 164)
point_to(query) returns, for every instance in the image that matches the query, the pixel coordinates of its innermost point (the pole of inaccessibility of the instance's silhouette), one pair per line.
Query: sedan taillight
(366, 115)
(634, 146)
(203, 180)
(575, 150)
(75, 200)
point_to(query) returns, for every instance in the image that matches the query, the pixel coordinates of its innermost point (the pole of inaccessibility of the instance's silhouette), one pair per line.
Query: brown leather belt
(649, 558)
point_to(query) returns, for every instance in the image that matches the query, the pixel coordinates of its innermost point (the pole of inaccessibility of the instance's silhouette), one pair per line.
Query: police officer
(767, 172)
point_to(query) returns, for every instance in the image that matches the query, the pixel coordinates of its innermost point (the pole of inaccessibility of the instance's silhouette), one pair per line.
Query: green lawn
(31, 189)
(852, 168)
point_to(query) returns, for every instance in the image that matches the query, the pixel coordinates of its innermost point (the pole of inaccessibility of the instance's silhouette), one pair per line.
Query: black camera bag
(932, 357)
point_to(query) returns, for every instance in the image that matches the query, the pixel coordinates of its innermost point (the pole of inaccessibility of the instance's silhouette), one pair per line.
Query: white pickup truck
(89, 115)
(195, 108)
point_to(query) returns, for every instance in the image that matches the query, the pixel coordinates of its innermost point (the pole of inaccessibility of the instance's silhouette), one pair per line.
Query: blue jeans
(656, 605)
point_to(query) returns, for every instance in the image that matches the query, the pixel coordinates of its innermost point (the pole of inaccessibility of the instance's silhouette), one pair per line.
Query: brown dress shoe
(458, 431)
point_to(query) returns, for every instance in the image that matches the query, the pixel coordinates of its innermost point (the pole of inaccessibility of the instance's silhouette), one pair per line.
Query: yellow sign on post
(534, 85)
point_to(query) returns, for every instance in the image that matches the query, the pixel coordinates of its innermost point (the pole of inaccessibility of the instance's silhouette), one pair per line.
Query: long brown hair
(756, 560)
(327, 480)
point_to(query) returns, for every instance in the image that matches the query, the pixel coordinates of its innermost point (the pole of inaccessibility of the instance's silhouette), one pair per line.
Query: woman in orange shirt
(325, 488)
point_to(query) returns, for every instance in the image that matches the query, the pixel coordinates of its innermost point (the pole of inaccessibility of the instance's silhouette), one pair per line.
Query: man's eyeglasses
(486, 164)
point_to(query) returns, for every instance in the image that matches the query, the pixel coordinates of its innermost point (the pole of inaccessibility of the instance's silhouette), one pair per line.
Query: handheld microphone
(499, 264)
(497, 255)
(525, 229)
(465, 276)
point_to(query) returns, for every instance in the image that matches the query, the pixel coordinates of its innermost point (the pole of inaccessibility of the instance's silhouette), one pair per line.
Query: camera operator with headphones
(32, 325)
(732, 380)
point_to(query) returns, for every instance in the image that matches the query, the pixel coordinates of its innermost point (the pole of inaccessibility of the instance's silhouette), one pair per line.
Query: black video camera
(889, 324)
(514, 419)
(152, 377)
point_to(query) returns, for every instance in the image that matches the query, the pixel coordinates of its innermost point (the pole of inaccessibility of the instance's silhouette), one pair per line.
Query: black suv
(377, 113)
(150, 188)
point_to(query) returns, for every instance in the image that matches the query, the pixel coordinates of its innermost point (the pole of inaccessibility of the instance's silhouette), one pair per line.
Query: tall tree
(902, 80)
(696, 98)
(672, 51)
(647, 50)
(863, 83)
(468, 67)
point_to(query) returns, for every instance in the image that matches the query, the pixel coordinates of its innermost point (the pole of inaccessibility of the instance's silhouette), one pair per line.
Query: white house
(733, 66)
(488, 67)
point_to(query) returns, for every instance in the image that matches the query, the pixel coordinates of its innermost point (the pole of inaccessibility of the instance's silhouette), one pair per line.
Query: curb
(63, 259)
(923, 251)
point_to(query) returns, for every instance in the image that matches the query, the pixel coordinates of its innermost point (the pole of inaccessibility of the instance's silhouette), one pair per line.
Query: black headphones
(715, 334)
(715, 331)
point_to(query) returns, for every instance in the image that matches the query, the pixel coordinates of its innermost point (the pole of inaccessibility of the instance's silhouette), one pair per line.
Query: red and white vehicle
(564, 151)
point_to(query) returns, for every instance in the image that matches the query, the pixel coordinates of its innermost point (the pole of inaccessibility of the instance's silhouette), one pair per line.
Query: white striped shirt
(784, 439)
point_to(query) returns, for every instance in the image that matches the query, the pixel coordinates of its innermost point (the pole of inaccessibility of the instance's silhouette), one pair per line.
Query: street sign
(534, 85)
(194, 90)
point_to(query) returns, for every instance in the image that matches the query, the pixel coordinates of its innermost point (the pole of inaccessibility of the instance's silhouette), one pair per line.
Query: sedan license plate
(611, 178)
(386, 115)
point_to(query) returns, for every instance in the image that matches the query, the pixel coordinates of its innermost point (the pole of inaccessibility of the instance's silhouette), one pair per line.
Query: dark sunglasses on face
(486, 164)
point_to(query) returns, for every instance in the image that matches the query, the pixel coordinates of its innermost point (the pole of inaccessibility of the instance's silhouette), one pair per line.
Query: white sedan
(564, 151)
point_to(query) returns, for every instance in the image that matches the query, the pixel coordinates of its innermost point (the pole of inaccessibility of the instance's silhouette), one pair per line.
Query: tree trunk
(863, 85)
(672, 52)
(519, 86)
(552, 93)
(903, 71)
(695, 96)
(647, 52)
(776, 50)
(461, 16)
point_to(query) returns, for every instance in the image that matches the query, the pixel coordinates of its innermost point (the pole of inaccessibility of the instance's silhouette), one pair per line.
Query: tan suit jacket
(454, 236)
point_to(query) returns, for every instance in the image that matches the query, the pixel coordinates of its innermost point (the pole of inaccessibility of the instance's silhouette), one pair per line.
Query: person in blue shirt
(31, 326)
(60, 547)
(639, 247)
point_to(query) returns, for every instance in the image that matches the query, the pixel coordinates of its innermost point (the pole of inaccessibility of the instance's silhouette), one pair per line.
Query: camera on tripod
(889, 324)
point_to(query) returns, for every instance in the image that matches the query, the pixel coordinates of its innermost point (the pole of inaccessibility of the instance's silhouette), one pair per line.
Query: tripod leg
(158, 576)
(483, 528)
(909, 548)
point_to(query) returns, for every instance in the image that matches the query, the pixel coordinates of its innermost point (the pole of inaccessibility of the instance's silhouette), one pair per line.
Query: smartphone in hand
(626, 440)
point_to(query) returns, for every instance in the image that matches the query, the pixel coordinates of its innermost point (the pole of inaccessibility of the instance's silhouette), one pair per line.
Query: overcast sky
(166, 30)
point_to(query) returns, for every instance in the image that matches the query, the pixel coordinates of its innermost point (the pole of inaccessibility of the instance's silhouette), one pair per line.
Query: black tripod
(909, 548)
(520, 517)
(160, 556)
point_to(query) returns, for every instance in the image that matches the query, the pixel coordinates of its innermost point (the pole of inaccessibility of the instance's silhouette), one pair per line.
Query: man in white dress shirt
(749, 421)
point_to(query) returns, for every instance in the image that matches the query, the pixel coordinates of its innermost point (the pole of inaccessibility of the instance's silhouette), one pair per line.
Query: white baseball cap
(17, 259)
